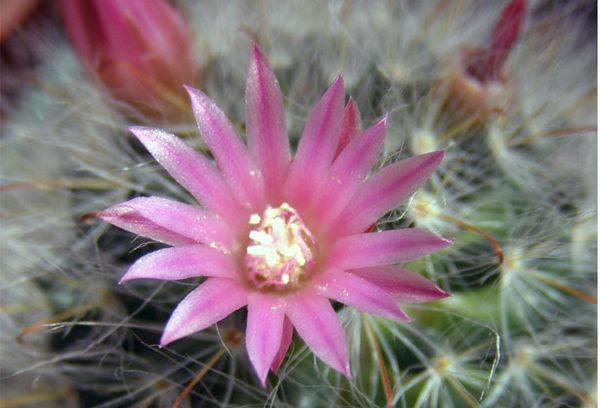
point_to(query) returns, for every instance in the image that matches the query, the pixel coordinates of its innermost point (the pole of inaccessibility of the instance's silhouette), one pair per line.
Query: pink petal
(350, 126)
(359, 293)
(239, 169)
(384, 192)
(349, 171)
(264, 331)
(192, 171)
(130, 220)
(181, 263)
(317, 146)
(206, 305)
(383, 248)
(265, 124)
(154, 217)
(405, 285)
(318, 325)
(286, 340)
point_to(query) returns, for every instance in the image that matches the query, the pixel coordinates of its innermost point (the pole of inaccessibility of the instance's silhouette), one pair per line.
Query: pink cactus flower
(140, 50)
(282, 236)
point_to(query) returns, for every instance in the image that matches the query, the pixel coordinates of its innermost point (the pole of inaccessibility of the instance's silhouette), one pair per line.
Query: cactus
(516, 192)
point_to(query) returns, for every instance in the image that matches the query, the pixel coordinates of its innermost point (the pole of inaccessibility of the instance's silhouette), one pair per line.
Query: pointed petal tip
(404, 317)
(199, 100)
(104, 215)
(261, 372)
(347, 372)
(165, 340)
(257, 54)
(339, 81)
(431, 159)
(441, 242)
(434, 156)
(194, 92)
(275, 366)
(129, 275)
(436, 293)
(437, 154)
(442, 293)
(258, 59)
(143, 133)
(445, 241)
(337, 86)
(113, 213)
(138, 129)
(263, 379)
(169, 335)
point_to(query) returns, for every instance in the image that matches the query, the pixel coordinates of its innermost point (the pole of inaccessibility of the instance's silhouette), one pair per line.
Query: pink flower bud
(141, 50)
(487, 64)
(473, 79)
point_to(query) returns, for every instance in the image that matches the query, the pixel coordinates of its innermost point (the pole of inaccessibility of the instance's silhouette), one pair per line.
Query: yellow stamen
(281, 248)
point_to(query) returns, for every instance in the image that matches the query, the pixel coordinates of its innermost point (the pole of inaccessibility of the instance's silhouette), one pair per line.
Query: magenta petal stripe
(193, 171)
(233, 158)
(204, 306)
(181, 263)
(385, 191)
(317, 323)
(383, 248)
(264, 331)
(405, 285)
(350, 126)
(349, 170)
(317, 146)
(286, 340)
(265, 124)
(182, 219)
(359, 293)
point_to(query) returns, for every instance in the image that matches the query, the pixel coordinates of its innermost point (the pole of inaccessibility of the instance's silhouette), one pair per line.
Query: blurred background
(507, 87)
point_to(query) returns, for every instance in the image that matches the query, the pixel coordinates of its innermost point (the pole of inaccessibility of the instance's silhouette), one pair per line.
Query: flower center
(281, 250)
